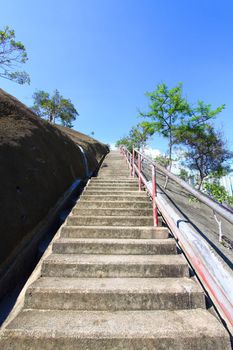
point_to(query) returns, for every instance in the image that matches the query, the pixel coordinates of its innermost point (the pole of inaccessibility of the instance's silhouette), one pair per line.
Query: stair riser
(111, 270)
(114, 172)
(112, 188)
(118, 193)
(113, 212)
(113, 205)
(117, 178)
(112, 301)
(89, 232)
(98, 341)
(112, 221)
(127, 181)
(95, 248)
(111, 198)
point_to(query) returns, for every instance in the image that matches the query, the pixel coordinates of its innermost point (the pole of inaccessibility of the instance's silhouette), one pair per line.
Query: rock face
(38, 163)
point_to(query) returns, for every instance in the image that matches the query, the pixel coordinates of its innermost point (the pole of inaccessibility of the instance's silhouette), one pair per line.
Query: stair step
(72, 265)
(102, 192)
(114, 172)
(114, 204)
(111, 220)
(114, 232)
(129, 180)
(114, 246)
(114, 294)
(125, 198)
(78, 330)
(107, 176)
(113, 212)
(120, 188)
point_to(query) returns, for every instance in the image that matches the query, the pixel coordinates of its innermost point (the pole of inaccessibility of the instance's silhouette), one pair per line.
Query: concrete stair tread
(113, 220)
(115, 232)
(114, 192)
(115, 204)
(115, 259)
(112, 197)
(114, 294)
(126, 180)
(114, 246)
(118, 285)
(142, 228)
(177, 330)
(101, 265)
(127, 241)
(129, 217)
(142, 212)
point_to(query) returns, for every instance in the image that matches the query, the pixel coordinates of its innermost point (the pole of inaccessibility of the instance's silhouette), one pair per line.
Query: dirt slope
(38, 163)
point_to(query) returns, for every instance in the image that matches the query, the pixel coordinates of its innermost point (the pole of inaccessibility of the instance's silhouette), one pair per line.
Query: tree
(54, 107)
(12, 53)
(125, 141)
(218, 192)
(168, 108)
(184, 174)
(206, 151)
(137, 137)
(162, 160)
(199, 118)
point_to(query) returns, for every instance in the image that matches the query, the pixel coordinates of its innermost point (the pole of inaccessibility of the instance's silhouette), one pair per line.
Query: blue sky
(104, 55)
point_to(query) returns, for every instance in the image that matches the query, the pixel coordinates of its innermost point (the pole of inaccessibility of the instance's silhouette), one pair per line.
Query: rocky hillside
(38, 163)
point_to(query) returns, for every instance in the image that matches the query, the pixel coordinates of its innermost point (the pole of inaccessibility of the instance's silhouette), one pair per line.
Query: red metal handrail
(130, 159)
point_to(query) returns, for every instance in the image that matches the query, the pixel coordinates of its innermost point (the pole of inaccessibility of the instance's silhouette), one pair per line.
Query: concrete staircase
(113, 281)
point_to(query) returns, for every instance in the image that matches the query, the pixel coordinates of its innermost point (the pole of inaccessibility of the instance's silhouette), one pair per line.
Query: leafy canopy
(54, 107)
(137, 137)
(167, 109)
(219, 193)
(206, 151)
(12, 53)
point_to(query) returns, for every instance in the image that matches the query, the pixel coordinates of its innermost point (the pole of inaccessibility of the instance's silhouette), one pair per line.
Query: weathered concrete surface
(114, 246)
(114, 232)
(114, 287)
(115, 294)
(84, 265)
(95, 330)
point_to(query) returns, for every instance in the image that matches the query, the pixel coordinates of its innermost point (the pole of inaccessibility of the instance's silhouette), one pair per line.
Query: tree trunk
(200, 182)
(170, 158)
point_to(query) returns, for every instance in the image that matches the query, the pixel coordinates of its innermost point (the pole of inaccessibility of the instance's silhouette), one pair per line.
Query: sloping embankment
(38, 163)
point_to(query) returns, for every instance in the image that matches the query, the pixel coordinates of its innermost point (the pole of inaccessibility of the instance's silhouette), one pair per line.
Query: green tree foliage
(163, 160)
(54, 107)
(137, 137)
(12, 53)
(199, 119)
(206, 151)
(184, 174)
(167, 109)
(125, 141)
(219, 193)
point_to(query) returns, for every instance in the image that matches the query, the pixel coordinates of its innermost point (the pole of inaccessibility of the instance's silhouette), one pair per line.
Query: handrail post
(139, 173)
(133, 160)
(154, 195)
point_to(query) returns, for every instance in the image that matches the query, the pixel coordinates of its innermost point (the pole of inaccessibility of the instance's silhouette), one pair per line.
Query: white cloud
(112, 147)
(152, 152)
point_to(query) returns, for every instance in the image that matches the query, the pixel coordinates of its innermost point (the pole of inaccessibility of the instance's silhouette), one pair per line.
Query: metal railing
(217, 207)
(135, 167)
(216, 279)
